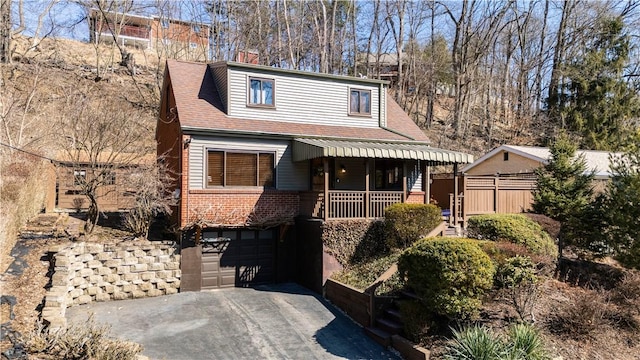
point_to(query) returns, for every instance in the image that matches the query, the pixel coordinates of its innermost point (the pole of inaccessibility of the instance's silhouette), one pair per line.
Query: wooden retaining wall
(354, 302)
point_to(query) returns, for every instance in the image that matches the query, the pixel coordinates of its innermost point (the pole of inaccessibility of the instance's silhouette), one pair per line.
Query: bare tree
(24, 103)
(151, 184)
(100, 136)
(396, 14)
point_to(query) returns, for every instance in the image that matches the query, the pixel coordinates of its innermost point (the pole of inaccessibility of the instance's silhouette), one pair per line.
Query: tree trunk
(92, 215)
(558, 58)
(5, 31)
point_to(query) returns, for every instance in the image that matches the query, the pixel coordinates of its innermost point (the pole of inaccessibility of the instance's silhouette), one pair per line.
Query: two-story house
(171, 37)
(257, 146)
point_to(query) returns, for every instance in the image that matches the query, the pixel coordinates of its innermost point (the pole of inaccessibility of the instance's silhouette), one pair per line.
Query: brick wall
(88, 272)
(239, 207)
(415, 197)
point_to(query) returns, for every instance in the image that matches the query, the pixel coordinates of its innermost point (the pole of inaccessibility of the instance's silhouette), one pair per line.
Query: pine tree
(563, 186)
(597, 102)
(622, 206)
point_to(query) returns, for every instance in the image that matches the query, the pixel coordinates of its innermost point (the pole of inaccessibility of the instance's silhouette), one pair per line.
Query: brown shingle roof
(199, 106)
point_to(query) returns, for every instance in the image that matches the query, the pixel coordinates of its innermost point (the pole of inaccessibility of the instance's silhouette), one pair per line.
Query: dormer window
(360, 102)
(261, 92)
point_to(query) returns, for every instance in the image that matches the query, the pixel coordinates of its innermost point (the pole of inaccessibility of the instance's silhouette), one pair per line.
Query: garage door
(239, 258)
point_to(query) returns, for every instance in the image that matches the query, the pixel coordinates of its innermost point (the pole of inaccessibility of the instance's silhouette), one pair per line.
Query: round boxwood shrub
(515, 228)
(406, 223)
(449, 274)
(516, 271)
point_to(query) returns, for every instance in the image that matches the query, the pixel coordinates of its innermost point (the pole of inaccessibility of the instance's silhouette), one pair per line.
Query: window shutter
(266, 166)
(242, 169)
(215, 168)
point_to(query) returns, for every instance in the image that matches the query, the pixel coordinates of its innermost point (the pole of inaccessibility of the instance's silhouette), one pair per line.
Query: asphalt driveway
(283, 321)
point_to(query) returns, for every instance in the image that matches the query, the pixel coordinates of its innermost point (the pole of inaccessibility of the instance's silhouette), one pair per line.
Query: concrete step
(378, 335)
(390, 326)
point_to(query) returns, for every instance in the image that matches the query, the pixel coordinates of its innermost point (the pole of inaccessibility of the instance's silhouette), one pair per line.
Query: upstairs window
(164, 23)
(360, 102)
(261, 92)
(196, 28)
(227, 168)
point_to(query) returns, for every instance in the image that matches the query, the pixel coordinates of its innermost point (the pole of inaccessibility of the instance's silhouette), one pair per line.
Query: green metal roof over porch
(311, 148)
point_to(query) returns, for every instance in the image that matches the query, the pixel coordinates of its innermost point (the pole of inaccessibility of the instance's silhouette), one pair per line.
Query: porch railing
(381, 199)
(348, 204)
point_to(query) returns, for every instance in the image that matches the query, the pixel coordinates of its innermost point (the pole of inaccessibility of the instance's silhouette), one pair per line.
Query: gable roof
(598, 161)
(200, 109)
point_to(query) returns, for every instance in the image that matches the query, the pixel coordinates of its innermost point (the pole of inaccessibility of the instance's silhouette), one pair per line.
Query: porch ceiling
(305, 149)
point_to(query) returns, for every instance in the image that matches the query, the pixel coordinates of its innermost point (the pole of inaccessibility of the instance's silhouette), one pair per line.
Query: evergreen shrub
(515, 228)
(516, 271)
(406, 223)
(450, 275)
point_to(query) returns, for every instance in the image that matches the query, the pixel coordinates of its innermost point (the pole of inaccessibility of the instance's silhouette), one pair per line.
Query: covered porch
(360, 179)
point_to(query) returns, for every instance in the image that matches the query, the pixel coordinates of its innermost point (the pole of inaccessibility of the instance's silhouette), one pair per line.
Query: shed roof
(598, 161)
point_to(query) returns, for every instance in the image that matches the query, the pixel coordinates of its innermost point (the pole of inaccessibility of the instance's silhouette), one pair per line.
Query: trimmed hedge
(515, 228)
(449, 274)
(406, 223)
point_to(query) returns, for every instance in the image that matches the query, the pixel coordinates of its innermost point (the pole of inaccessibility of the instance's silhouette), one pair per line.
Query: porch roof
(311, 148)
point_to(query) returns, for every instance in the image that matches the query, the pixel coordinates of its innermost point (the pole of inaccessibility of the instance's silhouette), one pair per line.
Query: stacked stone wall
(88, 272)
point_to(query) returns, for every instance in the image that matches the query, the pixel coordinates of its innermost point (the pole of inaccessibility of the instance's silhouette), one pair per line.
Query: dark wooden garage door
(239, 258)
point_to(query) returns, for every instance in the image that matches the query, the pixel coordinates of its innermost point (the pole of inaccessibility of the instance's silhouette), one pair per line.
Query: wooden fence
(490, 194)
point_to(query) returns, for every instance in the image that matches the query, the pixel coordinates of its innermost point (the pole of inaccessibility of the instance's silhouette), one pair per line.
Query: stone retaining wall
(88, 272)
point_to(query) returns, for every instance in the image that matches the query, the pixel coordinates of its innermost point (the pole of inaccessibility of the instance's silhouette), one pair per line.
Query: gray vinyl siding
(220, 77)
(302, 100)
(289, 175)
(414, 176)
